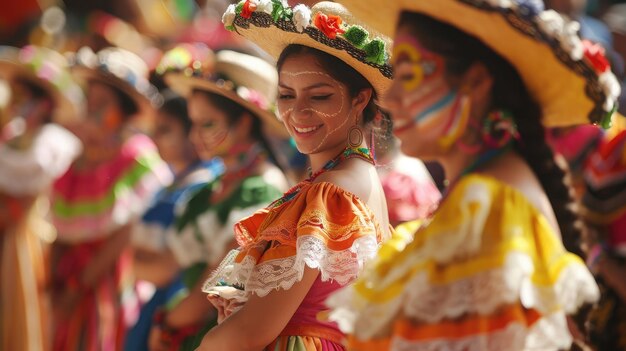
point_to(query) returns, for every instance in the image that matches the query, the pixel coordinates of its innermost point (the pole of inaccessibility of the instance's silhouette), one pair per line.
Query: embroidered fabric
(549, 333)
(260, 279)
(481, 293)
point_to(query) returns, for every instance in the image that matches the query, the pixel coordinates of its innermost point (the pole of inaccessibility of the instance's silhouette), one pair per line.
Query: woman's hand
(224, 307)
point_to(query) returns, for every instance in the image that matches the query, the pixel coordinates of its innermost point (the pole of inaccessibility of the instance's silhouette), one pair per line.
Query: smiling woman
(317, 236)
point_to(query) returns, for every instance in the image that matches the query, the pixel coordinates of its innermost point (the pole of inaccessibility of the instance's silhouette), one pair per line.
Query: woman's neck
(319, 159)
(455, 163)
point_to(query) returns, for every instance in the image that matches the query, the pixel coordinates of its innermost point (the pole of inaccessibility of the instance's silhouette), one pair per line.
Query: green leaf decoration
(279, 12)
(230, 28)
(356, 35)
(606, 122)
(375, 52)
(239, 7)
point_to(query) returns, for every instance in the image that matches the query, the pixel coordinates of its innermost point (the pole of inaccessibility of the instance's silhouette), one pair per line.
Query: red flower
(594, 53)
(248, 8)
(329, 25)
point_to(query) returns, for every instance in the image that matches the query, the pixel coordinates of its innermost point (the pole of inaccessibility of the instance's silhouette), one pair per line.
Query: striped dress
(87, 207)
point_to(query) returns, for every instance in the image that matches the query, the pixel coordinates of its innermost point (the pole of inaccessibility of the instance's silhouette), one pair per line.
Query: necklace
(348, 153)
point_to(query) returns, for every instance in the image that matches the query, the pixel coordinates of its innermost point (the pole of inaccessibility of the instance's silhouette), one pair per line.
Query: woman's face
(171, 138)
(210, 134)
(424, 106)
(317, 110)
(104, 115)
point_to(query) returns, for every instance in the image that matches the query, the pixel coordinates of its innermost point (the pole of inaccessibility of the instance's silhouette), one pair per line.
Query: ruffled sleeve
(324, 227)
(31, 171)
(488, 270)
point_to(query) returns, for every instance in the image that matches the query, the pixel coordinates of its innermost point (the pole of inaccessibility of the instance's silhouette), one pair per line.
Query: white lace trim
(482, 293)
(260, 279)
(547, 334)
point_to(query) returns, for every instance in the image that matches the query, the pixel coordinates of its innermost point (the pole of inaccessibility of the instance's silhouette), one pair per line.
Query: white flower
(611, 87)
(500, 3)
(285, 3)
(265, 6)
(570, 41)
(229, 16)
(551, 22)
(566, 32)
(301, 17)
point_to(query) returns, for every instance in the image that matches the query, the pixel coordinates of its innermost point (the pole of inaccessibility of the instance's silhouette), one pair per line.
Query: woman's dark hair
(176, 106)
(127, 104)
(351, 78)
(234, 113)
(39, 93)
(509, 92)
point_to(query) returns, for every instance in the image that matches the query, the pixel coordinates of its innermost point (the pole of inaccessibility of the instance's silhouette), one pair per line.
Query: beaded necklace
(348, 153)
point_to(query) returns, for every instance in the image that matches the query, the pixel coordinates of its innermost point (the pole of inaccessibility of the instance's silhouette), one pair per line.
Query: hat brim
(185, 85)
(65, 110)
(84, 75)
(274, 37)
(568, 91)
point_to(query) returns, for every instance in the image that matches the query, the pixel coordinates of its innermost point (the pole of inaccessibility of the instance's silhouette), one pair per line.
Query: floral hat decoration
(245, 79)
(327, 26)
(121, 69)
(188, 58)
(569, 77)
(47, 69)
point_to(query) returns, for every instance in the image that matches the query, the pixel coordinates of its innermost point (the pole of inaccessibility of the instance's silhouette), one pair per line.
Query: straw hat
(327, 26)
(48, 69)
(569, 78)
(118, 68)
(247, 80)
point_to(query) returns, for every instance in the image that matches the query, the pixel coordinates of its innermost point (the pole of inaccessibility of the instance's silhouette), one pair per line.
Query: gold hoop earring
(355, 136)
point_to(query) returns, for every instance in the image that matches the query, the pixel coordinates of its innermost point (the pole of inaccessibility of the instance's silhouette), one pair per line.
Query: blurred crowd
(118, 192)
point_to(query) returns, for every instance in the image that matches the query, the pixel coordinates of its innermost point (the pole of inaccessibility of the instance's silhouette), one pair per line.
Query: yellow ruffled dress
(487, 273)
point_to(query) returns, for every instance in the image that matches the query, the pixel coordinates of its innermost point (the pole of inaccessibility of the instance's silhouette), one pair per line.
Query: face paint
(426, 92)
(323, 115)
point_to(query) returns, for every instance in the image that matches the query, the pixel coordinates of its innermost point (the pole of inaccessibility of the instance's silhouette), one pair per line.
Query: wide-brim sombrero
(569, 78)
(247, 80)
(327, 26)
(120, 69)
(47, 69)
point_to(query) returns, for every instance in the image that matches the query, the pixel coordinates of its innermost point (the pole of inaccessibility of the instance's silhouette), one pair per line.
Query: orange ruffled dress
(322, 227)
(487, 273)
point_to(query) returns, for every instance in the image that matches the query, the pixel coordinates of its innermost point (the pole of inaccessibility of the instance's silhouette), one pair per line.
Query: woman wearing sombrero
(95, 203)
(476, 83)
(34, 150)
(231, 109)
(317, 236)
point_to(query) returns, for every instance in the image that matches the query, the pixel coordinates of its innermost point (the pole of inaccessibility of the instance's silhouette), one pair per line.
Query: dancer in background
(475, 83)
(34, 151)
(95, 204)
(231, 111)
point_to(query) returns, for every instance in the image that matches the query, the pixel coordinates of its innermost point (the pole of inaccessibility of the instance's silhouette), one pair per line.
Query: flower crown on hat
(531, 18)
(127, 67)
(189, 58)
(353, 39)
(50, 67)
